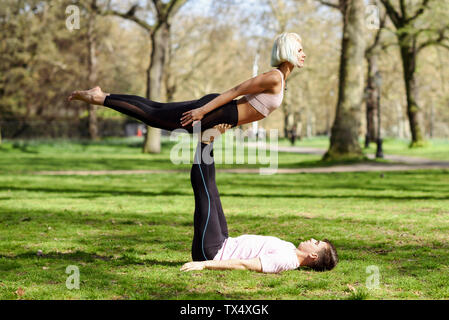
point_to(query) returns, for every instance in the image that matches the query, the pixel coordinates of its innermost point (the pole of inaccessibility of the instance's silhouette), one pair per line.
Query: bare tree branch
(387, 45)
(174, 5)
(163, 11)
(403, 9)
(159, 6)
(331, 4)
(371, 48)
(166, 10)
(395, 17)
(439, 41)
(130, 15)
(419, 12)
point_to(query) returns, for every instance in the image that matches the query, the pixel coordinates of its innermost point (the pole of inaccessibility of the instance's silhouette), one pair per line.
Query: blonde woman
(260, 96)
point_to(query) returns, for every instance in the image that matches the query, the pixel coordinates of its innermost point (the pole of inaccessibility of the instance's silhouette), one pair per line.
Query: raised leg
(210, 227)
(157, 114)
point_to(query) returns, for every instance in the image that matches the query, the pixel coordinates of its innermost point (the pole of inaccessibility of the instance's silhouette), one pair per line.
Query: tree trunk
(286, 124)
(344, 142)
(328, 122)
(371, 101)
(159, 41)
(431, 120)
(309, 123)
(92, 73)
(408, 54)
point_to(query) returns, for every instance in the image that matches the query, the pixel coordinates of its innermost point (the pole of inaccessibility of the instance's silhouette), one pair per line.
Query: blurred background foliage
(213, 45)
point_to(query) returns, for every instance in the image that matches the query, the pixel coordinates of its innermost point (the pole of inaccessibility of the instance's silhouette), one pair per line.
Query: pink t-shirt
(275, 255)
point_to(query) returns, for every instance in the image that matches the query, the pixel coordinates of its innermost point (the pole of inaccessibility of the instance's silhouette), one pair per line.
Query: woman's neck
(286, 68)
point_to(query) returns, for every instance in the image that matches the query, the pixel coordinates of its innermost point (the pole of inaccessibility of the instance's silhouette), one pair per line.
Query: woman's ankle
(102, 98)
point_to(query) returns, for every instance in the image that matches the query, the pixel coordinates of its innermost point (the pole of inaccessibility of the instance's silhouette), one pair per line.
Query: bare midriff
(247, 113)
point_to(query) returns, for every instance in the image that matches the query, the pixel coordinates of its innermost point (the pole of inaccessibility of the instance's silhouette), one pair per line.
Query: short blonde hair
(285, 48)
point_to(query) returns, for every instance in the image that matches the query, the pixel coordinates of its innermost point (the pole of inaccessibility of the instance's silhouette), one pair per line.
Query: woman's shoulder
(274, 76)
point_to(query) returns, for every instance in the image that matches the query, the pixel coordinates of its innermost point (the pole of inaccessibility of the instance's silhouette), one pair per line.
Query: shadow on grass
(28, 165)
(94, 193)
(134, 236)
(324, 190)
(22, 218)
(81, 256)
(374, 184)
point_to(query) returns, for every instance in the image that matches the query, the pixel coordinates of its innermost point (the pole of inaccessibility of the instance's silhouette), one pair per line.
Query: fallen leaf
(20, 292)
(351, 288)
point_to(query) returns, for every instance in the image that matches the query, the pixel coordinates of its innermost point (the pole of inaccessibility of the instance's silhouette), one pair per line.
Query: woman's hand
(194, 265)
(193, 115)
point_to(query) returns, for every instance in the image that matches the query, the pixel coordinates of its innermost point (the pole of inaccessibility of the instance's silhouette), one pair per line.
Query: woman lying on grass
(212, 248)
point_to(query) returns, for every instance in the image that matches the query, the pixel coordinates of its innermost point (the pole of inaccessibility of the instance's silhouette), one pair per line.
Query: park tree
(416, 28)
(17, 49)
(159, 34)
(191, 52)
(32, 66)
(92, 65)
(42, 60)
(372, 90)
(345, 129)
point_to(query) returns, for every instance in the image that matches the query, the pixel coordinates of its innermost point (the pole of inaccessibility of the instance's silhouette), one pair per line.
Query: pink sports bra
(266, 103)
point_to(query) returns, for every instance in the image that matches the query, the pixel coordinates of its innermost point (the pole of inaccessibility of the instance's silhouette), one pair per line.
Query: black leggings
(210, 227)
(168, 115)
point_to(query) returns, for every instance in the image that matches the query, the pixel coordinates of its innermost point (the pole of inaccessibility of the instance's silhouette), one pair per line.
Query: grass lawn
(435, 149)
(119, 154)
(130, 234)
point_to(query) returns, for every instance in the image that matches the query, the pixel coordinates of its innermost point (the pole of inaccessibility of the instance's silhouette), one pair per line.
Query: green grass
(435, 149)
(130, 234)
(116, 154)
(124, 154)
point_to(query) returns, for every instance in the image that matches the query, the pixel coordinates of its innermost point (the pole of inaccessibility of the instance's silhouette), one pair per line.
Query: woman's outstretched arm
(234, 264)
(257, 84)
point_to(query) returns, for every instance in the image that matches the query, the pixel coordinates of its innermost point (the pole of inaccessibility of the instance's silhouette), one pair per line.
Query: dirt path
(402, 163)
(320, 152)
(343, 168)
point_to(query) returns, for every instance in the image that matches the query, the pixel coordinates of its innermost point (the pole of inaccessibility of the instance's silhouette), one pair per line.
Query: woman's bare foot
(222, 127)
(209, 135)
(92, 96)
